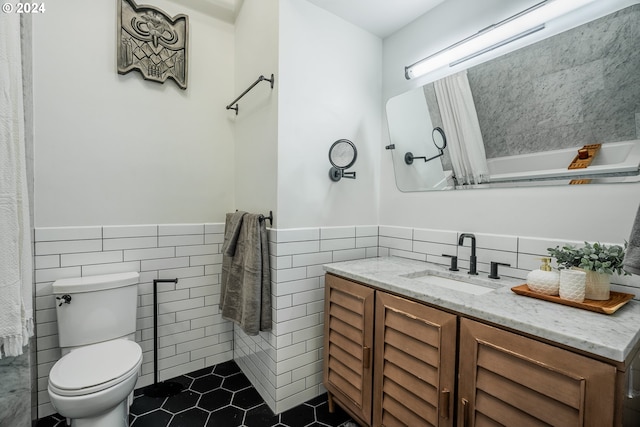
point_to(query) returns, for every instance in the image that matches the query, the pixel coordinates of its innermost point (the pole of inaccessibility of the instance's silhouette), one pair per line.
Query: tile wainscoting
(520, 252)
(284, 364)
(191, 332)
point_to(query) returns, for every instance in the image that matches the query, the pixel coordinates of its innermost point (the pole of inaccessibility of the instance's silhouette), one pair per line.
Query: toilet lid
(95, 367)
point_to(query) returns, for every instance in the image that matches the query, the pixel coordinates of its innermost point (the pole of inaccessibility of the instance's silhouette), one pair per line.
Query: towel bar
(235, 101)
(263, 217)
(270, 217)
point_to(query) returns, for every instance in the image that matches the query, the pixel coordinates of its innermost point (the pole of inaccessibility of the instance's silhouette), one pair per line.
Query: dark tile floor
(220, 396)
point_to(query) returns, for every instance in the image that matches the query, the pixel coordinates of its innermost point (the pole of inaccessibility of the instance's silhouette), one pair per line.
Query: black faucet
(472, 260)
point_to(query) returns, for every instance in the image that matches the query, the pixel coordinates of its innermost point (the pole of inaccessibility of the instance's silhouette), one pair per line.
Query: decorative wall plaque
(152, 42)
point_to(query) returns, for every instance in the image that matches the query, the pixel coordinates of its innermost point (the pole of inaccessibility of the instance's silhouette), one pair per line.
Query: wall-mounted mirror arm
(439, 140)
(337, 174)
(409, 157)
(342, 155)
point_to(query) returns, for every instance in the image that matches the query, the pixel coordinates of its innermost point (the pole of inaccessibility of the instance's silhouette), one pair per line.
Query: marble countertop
(611, 336)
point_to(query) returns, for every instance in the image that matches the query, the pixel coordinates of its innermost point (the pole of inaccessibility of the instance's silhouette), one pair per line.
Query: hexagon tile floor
(220, 396)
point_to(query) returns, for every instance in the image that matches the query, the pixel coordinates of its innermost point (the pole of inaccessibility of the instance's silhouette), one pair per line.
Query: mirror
(342, 155)
(535, 108)
(439, 141)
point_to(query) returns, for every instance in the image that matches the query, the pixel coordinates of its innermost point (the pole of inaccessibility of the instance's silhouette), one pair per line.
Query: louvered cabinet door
(348, 341)
(509, 380)
(415, 358)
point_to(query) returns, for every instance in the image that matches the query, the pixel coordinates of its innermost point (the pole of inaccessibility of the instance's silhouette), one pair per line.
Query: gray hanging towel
(631, 262)
(245, 295)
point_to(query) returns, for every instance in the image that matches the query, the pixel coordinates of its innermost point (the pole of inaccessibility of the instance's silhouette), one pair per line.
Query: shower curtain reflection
(460, 122)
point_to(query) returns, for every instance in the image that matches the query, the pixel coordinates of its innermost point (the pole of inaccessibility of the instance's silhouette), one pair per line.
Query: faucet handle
(494, 269)
(454, 262)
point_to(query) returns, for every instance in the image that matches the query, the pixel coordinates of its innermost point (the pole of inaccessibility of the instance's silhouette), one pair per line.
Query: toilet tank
(101, 308)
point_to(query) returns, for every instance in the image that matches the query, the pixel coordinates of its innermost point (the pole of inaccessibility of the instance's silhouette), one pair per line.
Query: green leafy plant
(595, 257)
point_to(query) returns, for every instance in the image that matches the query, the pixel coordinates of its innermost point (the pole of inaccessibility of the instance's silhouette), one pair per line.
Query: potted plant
(597, 260)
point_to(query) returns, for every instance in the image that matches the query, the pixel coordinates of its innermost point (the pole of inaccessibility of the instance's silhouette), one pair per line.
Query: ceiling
(379, 17)
(227, 10)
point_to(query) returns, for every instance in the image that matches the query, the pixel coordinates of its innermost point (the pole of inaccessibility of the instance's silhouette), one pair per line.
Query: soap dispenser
(544, 280)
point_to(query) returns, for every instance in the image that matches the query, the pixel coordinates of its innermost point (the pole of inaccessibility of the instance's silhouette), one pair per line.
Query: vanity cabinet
(348, 343)
(390, 361)
(507, 379)
(414, 364)
(413, 359)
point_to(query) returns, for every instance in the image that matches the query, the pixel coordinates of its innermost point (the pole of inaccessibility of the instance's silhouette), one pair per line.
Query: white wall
(579, 212)
(114, 149)
(330, 82)
(256, 142)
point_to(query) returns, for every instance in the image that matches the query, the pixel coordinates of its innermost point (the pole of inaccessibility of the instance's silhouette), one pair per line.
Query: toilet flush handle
(64, 299)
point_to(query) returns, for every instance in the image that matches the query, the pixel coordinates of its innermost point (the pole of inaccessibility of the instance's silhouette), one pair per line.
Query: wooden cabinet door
(348, 342)
(509, 380)
(415, 359)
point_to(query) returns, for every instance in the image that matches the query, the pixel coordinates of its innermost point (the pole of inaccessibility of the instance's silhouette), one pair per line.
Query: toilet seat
(94, 368)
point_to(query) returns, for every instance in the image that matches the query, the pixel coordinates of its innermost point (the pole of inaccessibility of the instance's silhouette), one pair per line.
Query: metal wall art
(152, 42)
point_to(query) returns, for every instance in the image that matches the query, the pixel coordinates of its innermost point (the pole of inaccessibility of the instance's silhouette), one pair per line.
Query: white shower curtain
(462, 129)
(16, 313)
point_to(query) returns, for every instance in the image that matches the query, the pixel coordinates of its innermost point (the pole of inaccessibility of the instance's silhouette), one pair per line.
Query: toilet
(92, 383)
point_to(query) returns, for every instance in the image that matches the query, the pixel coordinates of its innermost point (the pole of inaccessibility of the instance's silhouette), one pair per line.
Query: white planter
(572, 285)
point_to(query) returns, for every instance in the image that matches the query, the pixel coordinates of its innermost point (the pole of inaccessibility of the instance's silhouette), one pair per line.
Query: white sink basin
(428, 278)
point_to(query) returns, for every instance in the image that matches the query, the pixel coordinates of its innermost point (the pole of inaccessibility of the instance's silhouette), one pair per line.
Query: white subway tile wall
(284, 364)
(191, 332)
(521, 253)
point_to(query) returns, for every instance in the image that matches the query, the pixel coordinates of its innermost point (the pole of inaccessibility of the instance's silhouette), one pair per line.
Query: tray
(616, 300)
(578, 163)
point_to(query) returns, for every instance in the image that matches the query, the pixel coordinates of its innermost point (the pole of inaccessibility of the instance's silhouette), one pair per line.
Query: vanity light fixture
(520, 25)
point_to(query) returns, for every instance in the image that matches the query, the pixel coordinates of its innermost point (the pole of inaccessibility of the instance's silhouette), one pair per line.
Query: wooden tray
(578, 163)
(616, 300)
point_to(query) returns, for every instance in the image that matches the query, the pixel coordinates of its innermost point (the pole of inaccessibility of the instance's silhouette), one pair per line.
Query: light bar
(520, 25)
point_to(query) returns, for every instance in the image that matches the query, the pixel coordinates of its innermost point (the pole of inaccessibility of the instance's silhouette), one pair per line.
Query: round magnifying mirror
(342, 154)
(439, 140)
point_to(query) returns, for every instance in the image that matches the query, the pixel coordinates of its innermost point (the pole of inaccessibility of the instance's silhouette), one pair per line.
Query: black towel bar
(270, 217)
(262, 217)
(235, 101)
